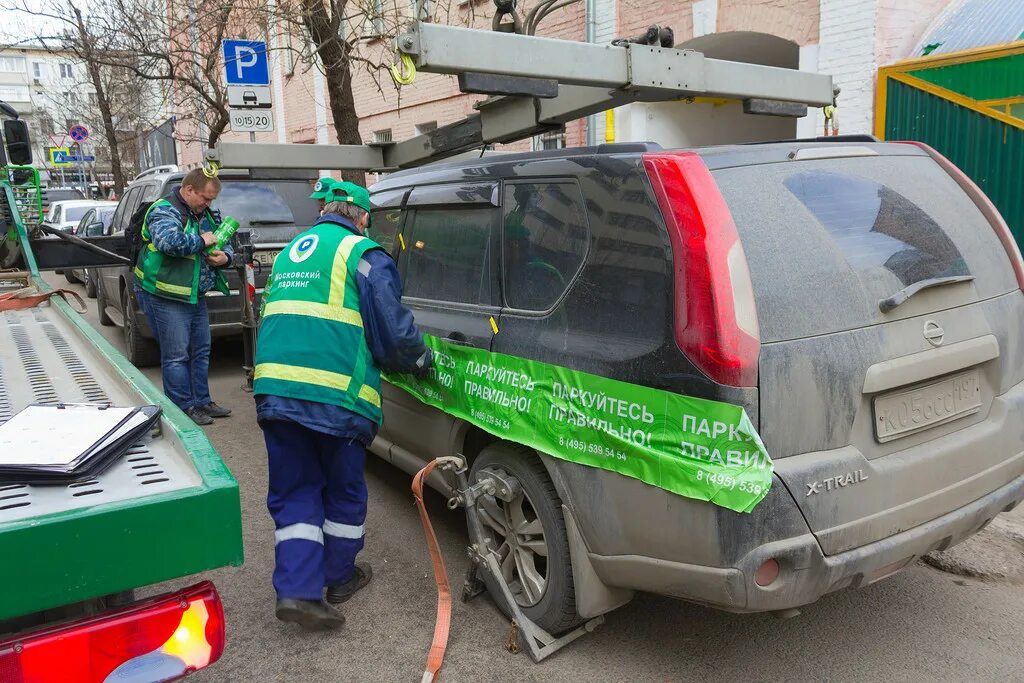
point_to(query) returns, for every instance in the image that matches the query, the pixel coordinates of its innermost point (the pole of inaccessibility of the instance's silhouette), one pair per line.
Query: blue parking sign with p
(245, 62)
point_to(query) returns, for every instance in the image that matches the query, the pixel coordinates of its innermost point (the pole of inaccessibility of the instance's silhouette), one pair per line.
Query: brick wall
(847, 51)
(795, 20)
(901, 24)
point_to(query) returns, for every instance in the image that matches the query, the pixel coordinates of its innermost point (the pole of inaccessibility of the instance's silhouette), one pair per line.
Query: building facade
(848, 39)
(52, 91)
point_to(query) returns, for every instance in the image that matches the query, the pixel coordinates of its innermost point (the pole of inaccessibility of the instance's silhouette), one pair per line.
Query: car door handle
(459, 339)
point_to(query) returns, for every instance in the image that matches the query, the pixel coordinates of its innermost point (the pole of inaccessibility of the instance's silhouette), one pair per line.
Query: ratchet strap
(22, 298)
(444, 592)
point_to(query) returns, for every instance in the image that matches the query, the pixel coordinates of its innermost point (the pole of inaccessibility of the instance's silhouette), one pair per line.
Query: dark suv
(273, 206)
(862, 301)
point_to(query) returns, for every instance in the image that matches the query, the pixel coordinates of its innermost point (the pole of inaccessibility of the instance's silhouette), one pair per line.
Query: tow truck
(73, 555)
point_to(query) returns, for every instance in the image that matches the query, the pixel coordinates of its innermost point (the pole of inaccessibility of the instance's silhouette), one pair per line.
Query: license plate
(907, 412)
(266, 258)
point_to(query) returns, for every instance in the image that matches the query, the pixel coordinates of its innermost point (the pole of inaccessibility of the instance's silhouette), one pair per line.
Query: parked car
(65, 214)
(59, 194)
(157, 170)
(860, 300)
(95, 223)
(272, 206)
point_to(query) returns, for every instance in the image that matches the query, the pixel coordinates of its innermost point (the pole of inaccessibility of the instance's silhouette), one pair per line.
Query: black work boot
(312, 615)
(214, 410)
(343, 591)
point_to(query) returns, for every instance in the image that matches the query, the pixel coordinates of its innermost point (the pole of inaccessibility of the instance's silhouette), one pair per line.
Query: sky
(24, 26)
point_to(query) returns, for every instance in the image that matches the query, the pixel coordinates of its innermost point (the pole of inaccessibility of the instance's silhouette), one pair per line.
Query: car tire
(72, 279)
(90, 284)
(549, 598)
(101, 308)
(141, 351)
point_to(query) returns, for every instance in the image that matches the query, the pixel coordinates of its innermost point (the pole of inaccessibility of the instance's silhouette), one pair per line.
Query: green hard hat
(349, 192)
(322, 187)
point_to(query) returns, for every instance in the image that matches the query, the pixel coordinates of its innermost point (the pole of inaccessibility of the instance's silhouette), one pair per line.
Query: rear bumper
(806, 573)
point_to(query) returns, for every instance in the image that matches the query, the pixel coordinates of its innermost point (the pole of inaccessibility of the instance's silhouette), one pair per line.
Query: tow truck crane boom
(585, 78)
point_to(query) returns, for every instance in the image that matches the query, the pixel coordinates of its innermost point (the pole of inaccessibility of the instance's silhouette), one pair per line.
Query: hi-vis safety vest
(172, 277)
(311, 344)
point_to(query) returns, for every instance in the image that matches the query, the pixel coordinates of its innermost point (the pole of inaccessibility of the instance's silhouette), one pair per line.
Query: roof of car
(231, 174)
(81, 202)
(718, 156)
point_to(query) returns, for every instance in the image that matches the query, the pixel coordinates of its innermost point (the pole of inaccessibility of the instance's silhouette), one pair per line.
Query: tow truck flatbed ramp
(167, 509)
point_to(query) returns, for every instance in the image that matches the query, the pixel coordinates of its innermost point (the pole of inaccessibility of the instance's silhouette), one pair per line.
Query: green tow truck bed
(169, 508)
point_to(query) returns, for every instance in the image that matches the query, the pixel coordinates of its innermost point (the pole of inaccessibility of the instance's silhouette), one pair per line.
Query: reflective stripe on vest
(320, 378)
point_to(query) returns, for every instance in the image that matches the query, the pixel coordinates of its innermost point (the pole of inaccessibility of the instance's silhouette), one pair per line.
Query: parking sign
(245, 62)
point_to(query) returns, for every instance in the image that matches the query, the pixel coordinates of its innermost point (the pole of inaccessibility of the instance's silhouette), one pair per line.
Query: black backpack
(133, 234)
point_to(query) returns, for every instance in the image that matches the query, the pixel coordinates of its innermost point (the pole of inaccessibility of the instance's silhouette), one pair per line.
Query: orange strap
(444, 592)
(19, 300)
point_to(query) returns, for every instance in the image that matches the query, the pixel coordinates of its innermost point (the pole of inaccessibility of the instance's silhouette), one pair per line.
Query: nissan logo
(934, 333)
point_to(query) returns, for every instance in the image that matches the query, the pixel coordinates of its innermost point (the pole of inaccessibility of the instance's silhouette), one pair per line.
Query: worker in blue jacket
(332, 321)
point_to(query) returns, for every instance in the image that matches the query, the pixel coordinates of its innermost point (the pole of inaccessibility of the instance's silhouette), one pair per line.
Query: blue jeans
(183, 332)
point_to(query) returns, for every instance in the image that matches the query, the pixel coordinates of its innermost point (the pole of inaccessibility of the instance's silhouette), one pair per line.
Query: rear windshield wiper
(270, 221)
(886, 305)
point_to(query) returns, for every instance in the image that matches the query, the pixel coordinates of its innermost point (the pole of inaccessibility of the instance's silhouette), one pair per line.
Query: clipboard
(57, 443)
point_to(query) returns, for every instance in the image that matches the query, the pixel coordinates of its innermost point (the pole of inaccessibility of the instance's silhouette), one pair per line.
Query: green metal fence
(968, 106)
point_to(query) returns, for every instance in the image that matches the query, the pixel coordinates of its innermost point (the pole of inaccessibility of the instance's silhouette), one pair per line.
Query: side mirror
(94, 230)
(18, 142)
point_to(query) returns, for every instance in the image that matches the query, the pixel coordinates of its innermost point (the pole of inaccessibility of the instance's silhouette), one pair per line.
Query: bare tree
(346, 37)
(67, 31)
(86, 47)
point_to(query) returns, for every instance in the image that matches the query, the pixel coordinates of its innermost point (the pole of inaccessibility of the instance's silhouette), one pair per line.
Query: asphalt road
(920, 625)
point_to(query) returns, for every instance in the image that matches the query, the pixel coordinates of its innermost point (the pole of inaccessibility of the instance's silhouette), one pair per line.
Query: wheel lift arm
(482, 552)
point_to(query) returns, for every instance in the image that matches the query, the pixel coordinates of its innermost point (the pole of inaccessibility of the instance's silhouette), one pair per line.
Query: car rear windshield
(267, 203)
(74, 213)
(61, 195)
(828, 239)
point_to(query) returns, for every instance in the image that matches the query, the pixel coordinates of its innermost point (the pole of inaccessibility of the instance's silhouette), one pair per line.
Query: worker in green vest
(172, 276)
(332, 321)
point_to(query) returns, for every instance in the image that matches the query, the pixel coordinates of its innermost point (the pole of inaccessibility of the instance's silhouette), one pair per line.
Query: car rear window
(75, 213)
(267, 203)
(828, 239)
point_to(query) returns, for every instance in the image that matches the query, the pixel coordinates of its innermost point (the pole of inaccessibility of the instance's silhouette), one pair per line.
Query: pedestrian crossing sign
(59, 156)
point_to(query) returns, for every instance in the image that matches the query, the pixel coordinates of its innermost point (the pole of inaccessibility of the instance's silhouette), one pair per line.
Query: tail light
(161, 639)
(984, 204)
(715, 314)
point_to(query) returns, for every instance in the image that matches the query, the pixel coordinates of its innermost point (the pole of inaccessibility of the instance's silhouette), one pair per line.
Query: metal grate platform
(38, 364)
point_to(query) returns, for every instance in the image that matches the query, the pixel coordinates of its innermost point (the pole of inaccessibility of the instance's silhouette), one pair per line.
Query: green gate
(970, 107)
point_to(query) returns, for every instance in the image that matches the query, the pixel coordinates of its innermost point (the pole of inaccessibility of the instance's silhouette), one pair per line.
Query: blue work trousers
(317, 497)
(183, 332)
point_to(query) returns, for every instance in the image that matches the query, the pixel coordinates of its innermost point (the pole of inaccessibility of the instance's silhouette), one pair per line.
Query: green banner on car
(690, 446)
